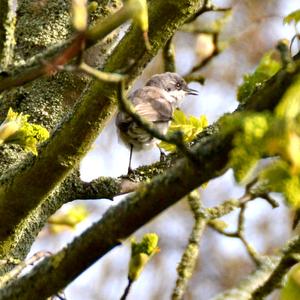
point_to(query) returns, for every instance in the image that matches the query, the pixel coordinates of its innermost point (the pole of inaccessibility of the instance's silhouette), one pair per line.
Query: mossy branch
(7, 31)
(208, 147)
(267, 277)
(169, 56)
(189, 257)
(123, 219)
(149, 200)
(74, 47)
(73, 139)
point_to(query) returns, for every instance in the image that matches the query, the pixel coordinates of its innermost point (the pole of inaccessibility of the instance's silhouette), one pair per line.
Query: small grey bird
(155, 102)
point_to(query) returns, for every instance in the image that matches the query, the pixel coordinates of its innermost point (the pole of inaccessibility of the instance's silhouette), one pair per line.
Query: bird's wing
(151, 104)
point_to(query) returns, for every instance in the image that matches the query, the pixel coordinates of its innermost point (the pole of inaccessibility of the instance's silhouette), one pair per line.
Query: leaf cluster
(268, 134)
(16, 129)
(267, 67)
(190, 127)
(141, 253)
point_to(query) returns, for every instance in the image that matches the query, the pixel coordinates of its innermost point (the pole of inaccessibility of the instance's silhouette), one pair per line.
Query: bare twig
(208, 6)
(100, 75)
(249, 195)
(241, 235)
(214, 53)
(190, 255)
(74, 48)
(20, 267)
(127, 290)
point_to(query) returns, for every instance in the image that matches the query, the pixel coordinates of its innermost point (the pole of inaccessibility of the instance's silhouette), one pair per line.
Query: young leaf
(248, 144)
(68, 219)
(141, 253)
(291, 287)
(292, 17)
(17, 130)
(11, 125)
(268, 66)
(79, 15)
(189, 126)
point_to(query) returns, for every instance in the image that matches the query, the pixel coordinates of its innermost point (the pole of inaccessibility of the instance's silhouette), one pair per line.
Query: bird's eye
(178, 86)
(168, 89)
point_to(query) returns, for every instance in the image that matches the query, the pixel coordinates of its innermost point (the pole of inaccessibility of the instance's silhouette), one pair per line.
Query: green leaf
(268, 66)
(148, 245)
(12, 123)
(292, 17)
(248, 144)
(289, 106)
(278, 177)
(274, 176)
(189, 126)
(291, 287)
(69, 219)
(141, 253)
(17, 130)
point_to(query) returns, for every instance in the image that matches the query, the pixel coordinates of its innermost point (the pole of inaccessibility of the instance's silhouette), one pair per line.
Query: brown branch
(74, 47)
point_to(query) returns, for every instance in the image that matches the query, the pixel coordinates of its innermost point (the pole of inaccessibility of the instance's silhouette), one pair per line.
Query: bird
(155, 102)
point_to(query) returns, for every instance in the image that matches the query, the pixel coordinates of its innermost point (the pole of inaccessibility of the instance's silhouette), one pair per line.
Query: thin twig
(74, 48)
(241, 234)
(190, 255)
(19, 268)
(207, 6)
(100, 75)
(214, 53)
(127, 290)
(249, 195)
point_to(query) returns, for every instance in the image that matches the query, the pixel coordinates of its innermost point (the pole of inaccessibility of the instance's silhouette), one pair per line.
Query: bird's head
(173, 84)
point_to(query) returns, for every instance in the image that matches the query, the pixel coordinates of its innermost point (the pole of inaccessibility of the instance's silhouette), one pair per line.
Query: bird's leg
(130, 171)
(162, 154)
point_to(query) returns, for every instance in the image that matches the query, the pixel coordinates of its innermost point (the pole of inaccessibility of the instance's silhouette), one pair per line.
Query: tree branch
(72, 140)
(244, 289)
(7, 31)
(73, 48)
(149, 200)
(189, 257)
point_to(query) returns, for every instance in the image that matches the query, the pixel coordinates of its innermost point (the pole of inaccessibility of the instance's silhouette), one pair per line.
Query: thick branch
(149, 200)
(74, 188)
(71, 142)
(116, 224)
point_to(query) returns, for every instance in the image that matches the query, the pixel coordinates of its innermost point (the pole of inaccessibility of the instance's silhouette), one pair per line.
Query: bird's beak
(191, 92)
